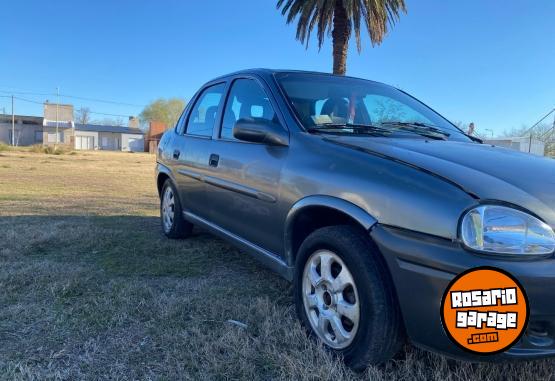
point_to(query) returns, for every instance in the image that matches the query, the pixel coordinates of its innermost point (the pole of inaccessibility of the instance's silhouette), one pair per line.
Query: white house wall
(88, 133)
(4, 133)
(136, 140)
(24, 134)
(521, 144)
(110, 141)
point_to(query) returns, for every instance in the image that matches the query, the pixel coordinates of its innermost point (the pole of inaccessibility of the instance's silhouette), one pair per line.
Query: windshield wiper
(421, 129)
(350, 127)
(474, 138)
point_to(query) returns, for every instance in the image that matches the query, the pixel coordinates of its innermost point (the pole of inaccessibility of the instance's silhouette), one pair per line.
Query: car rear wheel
(344, 296)
(171, 214)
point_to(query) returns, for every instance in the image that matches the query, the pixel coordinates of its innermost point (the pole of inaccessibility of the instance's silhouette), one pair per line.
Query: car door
(244, 179)
(192, 148)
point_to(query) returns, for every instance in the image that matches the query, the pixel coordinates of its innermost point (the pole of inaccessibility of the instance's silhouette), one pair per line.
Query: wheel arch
(163, 173)
(314, 212)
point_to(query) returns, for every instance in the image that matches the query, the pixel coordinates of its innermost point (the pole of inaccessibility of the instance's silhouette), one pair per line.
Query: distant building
(28, 130)
(58, 118)
(112, 138)
(31, 130)
(522, 144)
(153, 136)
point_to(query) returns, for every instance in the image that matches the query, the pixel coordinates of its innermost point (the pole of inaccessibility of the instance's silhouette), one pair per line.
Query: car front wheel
(344, 296)
(171, 214)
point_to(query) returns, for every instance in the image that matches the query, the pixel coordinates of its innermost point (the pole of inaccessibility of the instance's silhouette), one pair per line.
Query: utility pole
(530, 141)
(57, 114)
(13, 125)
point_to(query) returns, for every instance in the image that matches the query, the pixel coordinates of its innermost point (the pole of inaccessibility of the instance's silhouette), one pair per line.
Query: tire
(361, 299)
(171, 214)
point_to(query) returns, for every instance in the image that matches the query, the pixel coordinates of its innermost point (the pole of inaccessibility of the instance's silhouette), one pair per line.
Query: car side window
(203, 114)
(247, 99)
(181, 123)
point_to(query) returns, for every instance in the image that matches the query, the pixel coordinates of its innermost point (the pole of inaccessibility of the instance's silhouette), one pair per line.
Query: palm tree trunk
(340, 35)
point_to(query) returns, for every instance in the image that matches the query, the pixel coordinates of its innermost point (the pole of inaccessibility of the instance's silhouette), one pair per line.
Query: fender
(338, 204)
(161, 168)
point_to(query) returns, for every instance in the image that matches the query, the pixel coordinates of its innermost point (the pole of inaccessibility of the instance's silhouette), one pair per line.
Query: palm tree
(341, 17)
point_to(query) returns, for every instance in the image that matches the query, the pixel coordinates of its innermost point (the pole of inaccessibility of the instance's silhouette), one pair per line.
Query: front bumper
(422, 267)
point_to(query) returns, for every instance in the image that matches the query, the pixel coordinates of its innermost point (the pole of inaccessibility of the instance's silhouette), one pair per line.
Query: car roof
(266, 71)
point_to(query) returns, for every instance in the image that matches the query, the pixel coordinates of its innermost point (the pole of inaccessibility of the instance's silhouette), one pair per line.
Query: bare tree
(83, 115)
(109, 122)
(542, 132)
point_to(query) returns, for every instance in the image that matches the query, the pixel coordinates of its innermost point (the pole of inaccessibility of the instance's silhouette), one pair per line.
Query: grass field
(91, 289)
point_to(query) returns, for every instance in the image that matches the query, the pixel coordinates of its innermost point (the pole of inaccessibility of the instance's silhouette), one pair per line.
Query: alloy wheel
(168, 209)
(330, 299)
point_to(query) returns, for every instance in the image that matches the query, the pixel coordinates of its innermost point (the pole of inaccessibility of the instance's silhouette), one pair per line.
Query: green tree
(340, 18)
(163, 110)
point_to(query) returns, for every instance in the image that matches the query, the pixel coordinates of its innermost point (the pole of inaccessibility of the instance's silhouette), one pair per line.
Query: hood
(482, 170)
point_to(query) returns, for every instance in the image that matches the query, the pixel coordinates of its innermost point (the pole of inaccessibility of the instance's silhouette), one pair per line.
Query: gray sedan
(366, 199)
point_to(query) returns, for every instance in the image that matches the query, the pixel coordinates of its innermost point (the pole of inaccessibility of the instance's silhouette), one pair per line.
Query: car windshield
(343, 105)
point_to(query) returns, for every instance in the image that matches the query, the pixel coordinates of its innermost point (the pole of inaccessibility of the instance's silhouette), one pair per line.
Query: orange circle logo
(484, 310)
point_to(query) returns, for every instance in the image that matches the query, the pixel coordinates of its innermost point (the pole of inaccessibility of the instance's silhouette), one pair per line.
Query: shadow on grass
(121, 245)
(80, 294)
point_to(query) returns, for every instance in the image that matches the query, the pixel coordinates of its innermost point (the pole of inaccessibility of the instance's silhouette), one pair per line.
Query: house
(57, 119)
(57, 127)
(153, 136)
(112, 138)
(519, 143)
(27, 130)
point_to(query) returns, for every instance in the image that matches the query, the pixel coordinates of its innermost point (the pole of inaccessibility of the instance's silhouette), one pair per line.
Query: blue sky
(491, 62)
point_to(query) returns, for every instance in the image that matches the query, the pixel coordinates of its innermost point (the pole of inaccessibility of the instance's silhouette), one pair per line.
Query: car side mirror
(258, 130)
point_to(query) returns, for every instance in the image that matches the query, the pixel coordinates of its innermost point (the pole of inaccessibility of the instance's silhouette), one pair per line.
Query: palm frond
(378, 16)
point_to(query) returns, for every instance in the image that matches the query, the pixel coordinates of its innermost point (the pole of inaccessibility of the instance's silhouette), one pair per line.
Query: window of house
(247, 99)
(203, 115)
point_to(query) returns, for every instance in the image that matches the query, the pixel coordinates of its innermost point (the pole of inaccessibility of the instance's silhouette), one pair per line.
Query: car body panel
(422, 267)
(490, 173)
(334, 203)
(245, 189)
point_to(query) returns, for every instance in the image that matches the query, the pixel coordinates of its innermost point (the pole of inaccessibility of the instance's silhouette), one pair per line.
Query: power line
(29, 100)
(73, 97)
(103, 113)
(538, 122)
(24, 93)
(101, 100)
(41, 103)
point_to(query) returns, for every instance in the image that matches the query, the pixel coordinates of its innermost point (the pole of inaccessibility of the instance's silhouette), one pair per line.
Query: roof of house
(5, 118)
(100, 128)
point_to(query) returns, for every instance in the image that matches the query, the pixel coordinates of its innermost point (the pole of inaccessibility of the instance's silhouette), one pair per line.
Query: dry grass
(51, 150)
(90, 289)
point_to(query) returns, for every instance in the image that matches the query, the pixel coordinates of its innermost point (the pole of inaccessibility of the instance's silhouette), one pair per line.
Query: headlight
(502, 230)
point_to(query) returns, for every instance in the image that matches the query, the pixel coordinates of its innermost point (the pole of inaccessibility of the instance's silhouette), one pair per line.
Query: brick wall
(153, 135)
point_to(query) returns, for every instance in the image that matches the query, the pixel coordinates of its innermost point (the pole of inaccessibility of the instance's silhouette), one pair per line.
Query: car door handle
(176, 154)
(214, 160)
